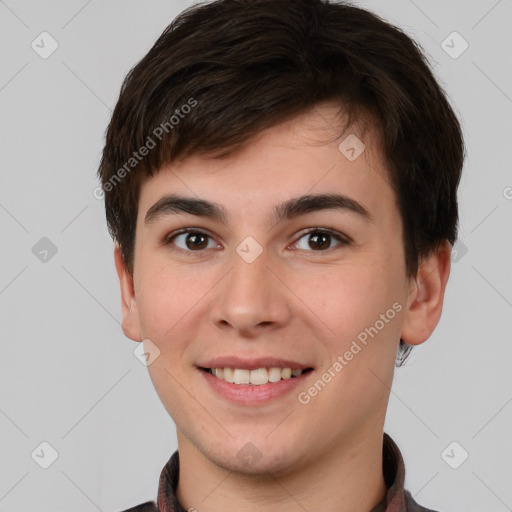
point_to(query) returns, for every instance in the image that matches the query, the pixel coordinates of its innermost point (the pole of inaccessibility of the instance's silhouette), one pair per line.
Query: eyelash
(342, 239)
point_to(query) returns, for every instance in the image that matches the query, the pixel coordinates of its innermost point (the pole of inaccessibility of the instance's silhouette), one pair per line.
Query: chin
(252, 455)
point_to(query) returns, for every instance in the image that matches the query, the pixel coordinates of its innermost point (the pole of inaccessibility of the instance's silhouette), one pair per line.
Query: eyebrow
(175, 204)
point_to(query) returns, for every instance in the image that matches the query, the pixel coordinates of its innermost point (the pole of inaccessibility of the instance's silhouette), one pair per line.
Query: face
(293, 258)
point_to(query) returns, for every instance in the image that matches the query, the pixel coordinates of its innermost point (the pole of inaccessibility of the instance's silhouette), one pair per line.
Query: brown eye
(321, 240)
(191, 241)
(196, 241)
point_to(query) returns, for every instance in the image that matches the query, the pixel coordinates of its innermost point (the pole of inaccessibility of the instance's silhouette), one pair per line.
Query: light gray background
(68, 376)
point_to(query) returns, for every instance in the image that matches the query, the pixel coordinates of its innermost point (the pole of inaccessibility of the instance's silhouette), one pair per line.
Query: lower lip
(247, 394)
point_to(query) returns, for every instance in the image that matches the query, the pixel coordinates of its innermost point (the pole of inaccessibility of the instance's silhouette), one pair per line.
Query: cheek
(164, 298)
(347, 299)
(173, 307)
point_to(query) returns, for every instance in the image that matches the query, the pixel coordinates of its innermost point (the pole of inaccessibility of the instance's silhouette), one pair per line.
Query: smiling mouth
(256, 377)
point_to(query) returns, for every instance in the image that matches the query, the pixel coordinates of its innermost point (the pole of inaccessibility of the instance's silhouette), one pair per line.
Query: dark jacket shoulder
(149, 506)
(412, 506)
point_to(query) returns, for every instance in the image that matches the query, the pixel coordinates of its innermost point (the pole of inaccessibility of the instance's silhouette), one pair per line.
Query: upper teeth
(257, 377)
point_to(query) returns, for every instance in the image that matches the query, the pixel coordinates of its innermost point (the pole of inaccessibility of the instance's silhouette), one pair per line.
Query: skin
(295, 301)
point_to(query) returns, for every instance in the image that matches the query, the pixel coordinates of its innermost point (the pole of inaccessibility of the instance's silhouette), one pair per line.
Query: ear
(131, 322)
(426, 295)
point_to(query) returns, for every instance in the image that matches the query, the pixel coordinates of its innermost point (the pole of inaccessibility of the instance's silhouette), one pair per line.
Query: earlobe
(426, 296)
(131, 322)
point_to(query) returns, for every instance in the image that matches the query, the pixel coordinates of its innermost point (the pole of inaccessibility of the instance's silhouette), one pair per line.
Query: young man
(281, 179)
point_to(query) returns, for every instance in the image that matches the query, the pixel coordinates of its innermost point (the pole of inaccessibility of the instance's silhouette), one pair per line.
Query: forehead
(303, 155)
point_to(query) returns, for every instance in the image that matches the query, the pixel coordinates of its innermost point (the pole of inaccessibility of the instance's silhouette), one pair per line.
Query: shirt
(397, 499)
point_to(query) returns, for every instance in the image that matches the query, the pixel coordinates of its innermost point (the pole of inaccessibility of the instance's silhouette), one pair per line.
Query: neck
(347, 477)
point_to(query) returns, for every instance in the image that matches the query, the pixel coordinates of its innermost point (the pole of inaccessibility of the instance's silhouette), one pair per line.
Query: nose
(251, 299)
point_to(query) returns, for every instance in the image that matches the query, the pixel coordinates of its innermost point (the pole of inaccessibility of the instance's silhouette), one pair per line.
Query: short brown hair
(242, 66)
